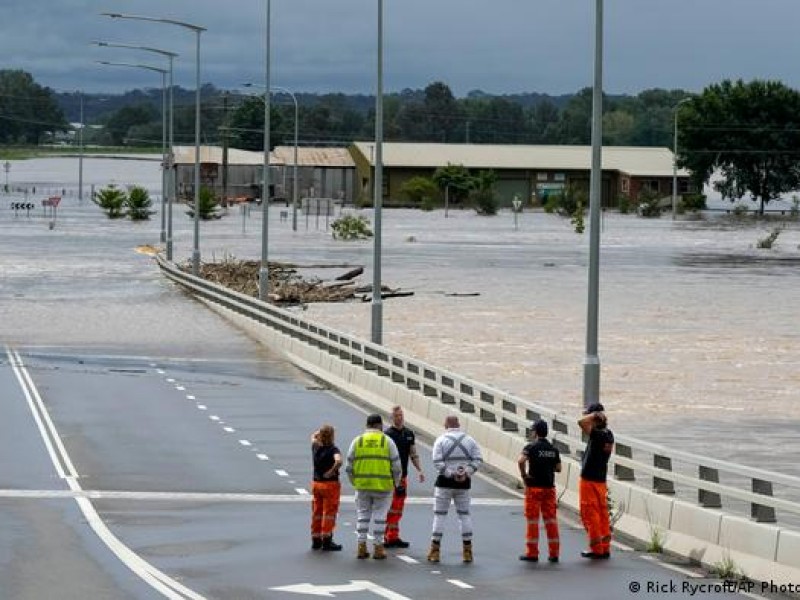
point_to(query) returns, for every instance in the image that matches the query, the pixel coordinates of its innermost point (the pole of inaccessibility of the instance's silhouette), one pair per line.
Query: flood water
(699, 342)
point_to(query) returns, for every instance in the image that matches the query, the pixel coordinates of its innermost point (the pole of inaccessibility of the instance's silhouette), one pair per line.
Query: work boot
(379, 552)
(329, 545)
(466, 552)
(362, 550)
(316, 543)
(434, 552)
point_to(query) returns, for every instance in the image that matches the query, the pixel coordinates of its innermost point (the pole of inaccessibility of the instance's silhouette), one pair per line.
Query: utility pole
(224, 132)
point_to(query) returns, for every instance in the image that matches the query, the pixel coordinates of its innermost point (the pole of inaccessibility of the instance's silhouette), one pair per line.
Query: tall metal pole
(172, 168)
(263, 273)
(591, 364)
(163, 157)
(167, 193)
(80, 155)
(196, 249)
(294, 169)
(377, 301)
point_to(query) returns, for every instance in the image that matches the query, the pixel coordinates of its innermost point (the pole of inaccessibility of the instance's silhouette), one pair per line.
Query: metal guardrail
(708, 482)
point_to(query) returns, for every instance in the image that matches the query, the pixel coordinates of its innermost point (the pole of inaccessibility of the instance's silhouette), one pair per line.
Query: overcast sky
(499, 46)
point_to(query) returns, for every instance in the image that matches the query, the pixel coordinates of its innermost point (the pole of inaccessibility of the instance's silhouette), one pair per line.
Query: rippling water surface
(699, 340)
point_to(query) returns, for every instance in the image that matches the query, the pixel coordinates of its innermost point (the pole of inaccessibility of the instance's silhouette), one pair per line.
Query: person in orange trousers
(538, 463)
(405, 440)
(325, 489)
(593, 490)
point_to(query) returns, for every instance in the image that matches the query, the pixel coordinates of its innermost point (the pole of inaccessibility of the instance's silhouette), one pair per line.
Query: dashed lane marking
(301, 491)
(281, 473)
(202, 407)
(245, 443)
(213, 417)
(180, 388)
(229, 429)
(461, 584)
(408, 559)
(190, 397)
(262, 457)
(160, 371)
(170, 380)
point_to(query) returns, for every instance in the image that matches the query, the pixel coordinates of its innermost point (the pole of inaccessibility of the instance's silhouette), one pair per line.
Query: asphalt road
(137, 477)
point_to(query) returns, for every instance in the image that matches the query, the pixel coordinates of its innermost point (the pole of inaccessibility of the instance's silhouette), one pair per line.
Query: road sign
(310, 589)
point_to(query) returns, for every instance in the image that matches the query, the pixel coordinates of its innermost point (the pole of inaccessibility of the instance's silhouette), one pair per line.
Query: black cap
(593, 408)
(374, 420)
(540, 428)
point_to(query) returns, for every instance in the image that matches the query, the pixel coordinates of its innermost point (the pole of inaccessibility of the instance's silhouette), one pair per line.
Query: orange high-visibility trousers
(324, 507)
(541, 501)
(594, 514)
(395, 513)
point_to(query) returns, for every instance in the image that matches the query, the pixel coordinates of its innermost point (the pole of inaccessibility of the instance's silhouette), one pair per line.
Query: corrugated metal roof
(636, 161)
(314, 157)
(184, 155)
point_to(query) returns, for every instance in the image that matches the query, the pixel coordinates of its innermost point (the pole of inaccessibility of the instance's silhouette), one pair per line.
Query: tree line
(749, 132)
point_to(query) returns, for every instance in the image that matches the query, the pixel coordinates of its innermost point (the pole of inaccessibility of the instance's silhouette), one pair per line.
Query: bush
(485, 202)
(112, 200)
(624, 204)
(577, 219)
(351, 227)
(693, 202)
(417, 189)
(427, 204)
(648, 205)
(138, 203)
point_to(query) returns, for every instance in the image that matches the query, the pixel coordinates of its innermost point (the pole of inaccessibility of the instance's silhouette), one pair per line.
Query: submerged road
(138, 477)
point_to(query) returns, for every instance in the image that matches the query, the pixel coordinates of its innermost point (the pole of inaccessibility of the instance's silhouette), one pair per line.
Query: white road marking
(229, 429)
(281, 473)
(214, 417)
(301, 491)
(190, 397)
(262, 457)
(245, 443)
(170, 380)
(356, 585)
(180, 388)
(408, 559)
(160, 371)
(158, 580)
(152, 365)
(461, 584)
(202, 407)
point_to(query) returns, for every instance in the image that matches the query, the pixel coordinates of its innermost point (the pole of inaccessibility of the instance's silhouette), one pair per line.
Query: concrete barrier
(763, 552)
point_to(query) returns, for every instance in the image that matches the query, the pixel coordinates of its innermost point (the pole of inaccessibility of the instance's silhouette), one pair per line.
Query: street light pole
(197, 30)
(675, 112)
(377, 301)
(296, 141)
(167, 160)
(263, 273)
(80, 155)
(591, 364)
(163, 131)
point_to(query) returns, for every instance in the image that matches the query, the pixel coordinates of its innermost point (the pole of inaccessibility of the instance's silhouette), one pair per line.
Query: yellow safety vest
(372, 465)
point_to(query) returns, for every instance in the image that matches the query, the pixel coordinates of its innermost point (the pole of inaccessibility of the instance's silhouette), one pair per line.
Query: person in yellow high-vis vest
(374, 469)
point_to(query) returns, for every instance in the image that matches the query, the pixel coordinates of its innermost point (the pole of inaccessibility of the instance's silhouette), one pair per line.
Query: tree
(112, 200)
(247, 125)
(121, 122)
(748, 132)
(27, 110)
(138, 203)
(456, 179)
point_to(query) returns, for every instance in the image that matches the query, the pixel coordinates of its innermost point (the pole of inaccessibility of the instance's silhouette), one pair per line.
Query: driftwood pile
(287, 286)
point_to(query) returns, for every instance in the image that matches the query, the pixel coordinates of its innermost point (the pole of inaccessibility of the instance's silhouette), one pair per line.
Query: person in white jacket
(456, 458)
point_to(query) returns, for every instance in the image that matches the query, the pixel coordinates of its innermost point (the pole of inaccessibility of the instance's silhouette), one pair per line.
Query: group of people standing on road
(377, 464)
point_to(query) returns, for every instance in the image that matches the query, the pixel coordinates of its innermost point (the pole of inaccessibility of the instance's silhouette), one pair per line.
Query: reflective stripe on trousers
(594, 514)
(324, 507)
(442, 497)
(371, 506)
(541, 501)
